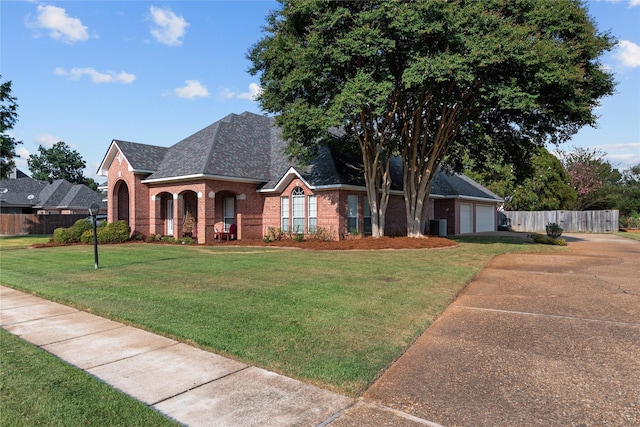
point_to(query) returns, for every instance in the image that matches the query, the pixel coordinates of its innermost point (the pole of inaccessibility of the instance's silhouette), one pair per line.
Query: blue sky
(88, 72)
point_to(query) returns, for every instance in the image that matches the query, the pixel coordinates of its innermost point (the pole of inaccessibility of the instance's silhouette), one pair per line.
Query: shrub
(539, 238)
(87, 236)
(554, 230)
(61, 236)
(323, 234)
(631, 221)
(115, 232)
(273, 234)
(71, 234)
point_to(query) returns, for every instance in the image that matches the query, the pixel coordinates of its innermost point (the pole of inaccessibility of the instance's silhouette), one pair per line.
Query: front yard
(336, 319)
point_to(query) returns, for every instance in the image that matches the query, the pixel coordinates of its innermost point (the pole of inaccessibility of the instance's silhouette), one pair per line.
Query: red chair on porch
(232, 232)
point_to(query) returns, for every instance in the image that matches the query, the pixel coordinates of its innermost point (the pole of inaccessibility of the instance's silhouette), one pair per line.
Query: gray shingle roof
(142, 157)
(16, 192)
(248, 146)
(449, 184)
(80, 196)
(57, 194)
(54, 193)
(237, 146)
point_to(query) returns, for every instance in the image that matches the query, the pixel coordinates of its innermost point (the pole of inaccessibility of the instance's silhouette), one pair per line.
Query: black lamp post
(93, 211)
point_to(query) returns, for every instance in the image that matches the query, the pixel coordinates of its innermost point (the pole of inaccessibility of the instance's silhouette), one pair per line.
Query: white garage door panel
(485, 218)
(466, 220)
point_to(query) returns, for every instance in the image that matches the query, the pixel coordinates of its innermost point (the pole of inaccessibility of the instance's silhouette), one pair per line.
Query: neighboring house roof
(248, 147)
(60, 194)
(20, 192)
(53, 194)
(80, 196)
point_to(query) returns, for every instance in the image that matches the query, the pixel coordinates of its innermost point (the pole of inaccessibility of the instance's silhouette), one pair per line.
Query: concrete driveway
(534, 340)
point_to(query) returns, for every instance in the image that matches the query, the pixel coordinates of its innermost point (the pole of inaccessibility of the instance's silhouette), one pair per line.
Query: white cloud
(252, 94)
(632, 3)
(169, 28)
(61, 26)
(628, 53)
(96, 76)
(23, 154)
(621, 155)
(47, 140)
(192, 89)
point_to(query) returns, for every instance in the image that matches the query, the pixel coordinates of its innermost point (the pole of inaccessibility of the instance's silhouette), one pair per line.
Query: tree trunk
(377, 173)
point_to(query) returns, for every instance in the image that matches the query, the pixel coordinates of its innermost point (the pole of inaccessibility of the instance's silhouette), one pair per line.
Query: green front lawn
(630, 235)
(336, 319)
(22, 242)
(37, 389)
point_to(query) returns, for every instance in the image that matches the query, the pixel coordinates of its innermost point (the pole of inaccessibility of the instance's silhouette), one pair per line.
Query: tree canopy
(546, 187)
(629, 195)
(8, 118)
(59, 162)
(430, 81)
(593, 178)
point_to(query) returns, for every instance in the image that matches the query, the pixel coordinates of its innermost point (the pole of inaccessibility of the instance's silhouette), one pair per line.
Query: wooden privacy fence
(21, 224)
(571, 221)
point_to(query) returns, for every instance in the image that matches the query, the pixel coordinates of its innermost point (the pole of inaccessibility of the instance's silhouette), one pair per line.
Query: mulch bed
(365, 243)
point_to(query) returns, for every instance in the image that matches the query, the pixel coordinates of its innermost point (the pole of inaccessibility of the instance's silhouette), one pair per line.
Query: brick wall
(446, 209)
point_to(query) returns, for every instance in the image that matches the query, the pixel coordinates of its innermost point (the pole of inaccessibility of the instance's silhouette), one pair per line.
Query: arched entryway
(189, 213)
(225, 211)
(121, 198)
(164, 205)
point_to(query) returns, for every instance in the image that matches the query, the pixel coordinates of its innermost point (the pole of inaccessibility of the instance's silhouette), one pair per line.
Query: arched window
(297, 210)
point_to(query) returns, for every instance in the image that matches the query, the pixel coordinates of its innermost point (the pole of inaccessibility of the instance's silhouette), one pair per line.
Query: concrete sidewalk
(534, 340)
(192, 386)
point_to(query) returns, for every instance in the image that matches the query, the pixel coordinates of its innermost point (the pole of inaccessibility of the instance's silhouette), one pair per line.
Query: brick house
(233, 175)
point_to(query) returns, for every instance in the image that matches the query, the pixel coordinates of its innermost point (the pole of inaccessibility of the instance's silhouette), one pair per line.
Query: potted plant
(554, 230)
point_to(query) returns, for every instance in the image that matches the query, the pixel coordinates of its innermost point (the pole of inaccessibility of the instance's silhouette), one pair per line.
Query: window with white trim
(313, 213)
(352, 213)
(284, 213)
(297, 210)
(366, 216)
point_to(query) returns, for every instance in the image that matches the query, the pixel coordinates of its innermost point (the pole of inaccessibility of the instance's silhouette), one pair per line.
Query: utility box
(438, 227)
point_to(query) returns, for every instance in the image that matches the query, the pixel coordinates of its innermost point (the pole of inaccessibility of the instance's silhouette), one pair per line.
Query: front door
(170, 217)
(229, 213)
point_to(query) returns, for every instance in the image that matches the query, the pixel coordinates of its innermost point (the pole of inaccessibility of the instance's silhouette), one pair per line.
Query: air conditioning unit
(438, 227)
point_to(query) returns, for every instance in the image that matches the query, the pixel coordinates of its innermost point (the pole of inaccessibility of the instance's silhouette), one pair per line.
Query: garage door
(466, 219)
(485, 218)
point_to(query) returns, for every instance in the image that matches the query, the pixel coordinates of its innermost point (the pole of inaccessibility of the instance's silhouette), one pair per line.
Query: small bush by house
(71, 234)
(114, 232)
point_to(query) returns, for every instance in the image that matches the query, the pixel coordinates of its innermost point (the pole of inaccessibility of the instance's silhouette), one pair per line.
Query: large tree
(629, 195)
(430, 80)
(595, 181)
(57, 162)
(8, 118)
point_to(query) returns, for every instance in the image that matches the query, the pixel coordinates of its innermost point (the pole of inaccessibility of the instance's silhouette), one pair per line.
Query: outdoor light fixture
(93, 211)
